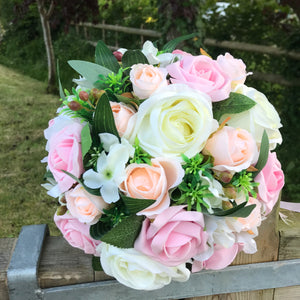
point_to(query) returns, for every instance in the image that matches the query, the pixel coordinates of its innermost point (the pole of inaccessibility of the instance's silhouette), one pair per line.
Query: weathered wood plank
(287, 293)
(62, 264)
(7, 246)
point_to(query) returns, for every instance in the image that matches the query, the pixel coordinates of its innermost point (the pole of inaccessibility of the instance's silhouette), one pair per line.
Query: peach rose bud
(146, 79)
(122, 115)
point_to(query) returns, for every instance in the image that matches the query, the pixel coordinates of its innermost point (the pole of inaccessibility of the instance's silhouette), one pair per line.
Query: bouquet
(162, 162)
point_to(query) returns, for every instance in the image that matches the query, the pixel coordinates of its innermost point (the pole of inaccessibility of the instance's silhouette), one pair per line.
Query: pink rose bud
(271, 181)
(76, 234)
(118, 55)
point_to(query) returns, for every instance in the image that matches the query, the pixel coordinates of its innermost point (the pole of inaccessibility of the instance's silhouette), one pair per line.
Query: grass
(25, 110)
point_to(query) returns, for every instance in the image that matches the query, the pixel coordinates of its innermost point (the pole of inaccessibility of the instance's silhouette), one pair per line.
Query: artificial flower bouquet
(161, 162)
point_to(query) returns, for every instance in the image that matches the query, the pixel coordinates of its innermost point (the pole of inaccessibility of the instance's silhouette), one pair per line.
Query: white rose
(262, 116)
(138, 271)
(146, 79)
(176, 119)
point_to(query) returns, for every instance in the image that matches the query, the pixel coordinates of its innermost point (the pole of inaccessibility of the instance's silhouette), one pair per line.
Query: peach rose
(232, 149)
(146, 79)
(122, 115)
(152, 182)
(87, 208)
(254, 219)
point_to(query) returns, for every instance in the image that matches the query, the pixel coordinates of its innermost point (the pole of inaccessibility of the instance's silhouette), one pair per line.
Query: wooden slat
(7, 246)
(62, 264)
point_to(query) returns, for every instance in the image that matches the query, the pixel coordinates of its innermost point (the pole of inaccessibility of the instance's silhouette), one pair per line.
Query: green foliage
(140, 156)
(236, 103)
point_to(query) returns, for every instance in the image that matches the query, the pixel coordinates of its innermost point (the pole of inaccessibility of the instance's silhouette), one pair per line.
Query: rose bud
(84, 96)
(118, 55)
(73, 105)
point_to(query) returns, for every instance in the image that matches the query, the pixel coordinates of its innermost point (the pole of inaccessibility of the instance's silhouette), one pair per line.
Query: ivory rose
(175, 236)
(232, 149)
(76, 233)
(122, 116)
(87, 208)
(201, 73)
(271, 181)
(146, 79)
(65, 154)
(262, 116)
(174, 120)
(235, 68)
(139, 271)
(152, 182)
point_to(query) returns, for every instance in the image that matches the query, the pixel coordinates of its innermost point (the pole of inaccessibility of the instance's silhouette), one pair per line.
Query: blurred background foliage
(263, 22)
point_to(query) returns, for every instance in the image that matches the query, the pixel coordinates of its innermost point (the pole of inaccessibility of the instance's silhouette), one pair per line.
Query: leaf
(99, 229)
(171, 45)
(132, 57)
(95, 192)
(86, 140)
(104, 119)
(240, 211)
(135, 205)
(263, 154)
(125, 233)
(236, 103)
(88, 70)
(61, 91)
(105, 58)
(96, 264)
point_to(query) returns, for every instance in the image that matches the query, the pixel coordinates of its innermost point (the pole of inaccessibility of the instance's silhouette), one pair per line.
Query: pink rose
(271, 181)
(175, 236)
(232, 149)
(221, 258)
(87, 208)
(146, 79)
(235, 68)
(77, 234)
(122, 115)
(152, 182)
(182, 53)
(201, 73)
(65, 154)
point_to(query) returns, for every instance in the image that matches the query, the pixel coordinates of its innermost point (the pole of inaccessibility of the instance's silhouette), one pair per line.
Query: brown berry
(73, 105)
(84, 96)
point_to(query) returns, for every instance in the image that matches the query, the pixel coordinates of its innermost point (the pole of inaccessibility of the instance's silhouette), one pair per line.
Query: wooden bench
(54, 270)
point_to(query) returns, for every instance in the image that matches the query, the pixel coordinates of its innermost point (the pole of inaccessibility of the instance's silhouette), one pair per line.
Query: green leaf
(132, 57)
(105, 58)
(135, 205)
(88, 70)
(86, 139)
(240, 211)
(99, 229)
(236, 103)
(104, 119)
(96, 264)
(263, 154)
(125, 233)
(61, 91)
(95, 192)
(171, 45)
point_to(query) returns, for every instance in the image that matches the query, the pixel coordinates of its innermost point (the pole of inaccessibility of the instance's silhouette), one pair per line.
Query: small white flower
(150, 52)
(110, 168)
